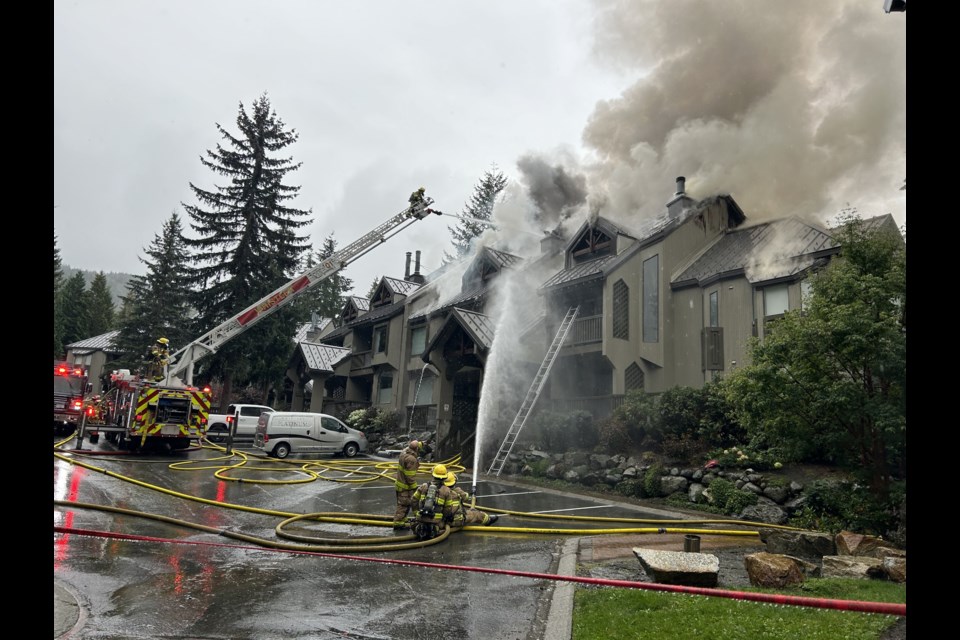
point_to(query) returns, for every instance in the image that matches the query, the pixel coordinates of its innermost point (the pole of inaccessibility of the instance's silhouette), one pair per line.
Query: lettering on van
(290, 421)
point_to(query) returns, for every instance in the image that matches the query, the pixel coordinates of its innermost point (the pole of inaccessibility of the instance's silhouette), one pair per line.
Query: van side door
(335, 434)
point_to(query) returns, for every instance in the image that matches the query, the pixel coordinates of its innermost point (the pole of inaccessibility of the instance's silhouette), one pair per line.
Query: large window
(775, 300)
(621, 310)
(715, 309)
(421, 390)
(385, 394)
(380, 339)
(418, 340)
(651, 299)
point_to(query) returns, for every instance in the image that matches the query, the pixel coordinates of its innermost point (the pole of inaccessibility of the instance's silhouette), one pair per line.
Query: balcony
(361, 360)
(585, 330)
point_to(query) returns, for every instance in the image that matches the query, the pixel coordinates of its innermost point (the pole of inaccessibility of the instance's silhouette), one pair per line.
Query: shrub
(539, 467)
(614, 435)
(728, 498)
(683, 447)
(837, 505)
(630, 488)
(652, 485)
(639, 416)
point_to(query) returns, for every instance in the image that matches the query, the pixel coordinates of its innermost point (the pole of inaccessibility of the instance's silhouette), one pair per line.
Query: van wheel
(351, 449)
(282, 450)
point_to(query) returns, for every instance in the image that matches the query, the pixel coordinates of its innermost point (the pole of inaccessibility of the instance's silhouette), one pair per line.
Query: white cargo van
(284, 432)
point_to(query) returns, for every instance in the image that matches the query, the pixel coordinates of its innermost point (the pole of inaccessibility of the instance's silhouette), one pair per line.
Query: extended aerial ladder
(533, 394)
(183, 359)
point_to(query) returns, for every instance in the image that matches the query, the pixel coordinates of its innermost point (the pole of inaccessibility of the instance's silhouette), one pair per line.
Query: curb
(66, 610)
(560, 618)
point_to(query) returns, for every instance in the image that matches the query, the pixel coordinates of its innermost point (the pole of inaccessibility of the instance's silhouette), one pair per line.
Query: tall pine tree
(76, 315)
(100, 304)
(247, 245)
(157, 304)
(479, 208)
(326, 299)
(57, 313)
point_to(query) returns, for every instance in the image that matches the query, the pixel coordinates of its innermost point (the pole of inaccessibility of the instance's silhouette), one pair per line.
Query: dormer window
(594, 243)
(349, 313)
(381, 297)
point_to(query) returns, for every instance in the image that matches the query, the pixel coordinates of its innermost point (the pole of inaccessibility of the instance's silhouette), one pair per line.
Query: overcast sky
(587, 106)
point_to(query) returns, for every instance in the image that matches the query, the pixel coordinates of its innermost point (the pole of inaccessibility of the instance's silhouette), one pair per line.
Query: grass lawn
(601, 613)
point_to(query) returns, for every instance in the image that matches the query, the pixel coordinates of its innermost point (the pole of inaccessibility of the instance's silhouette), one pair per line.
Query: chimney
(415, 276)
(406, 274)
(680, 200)
(551, 244)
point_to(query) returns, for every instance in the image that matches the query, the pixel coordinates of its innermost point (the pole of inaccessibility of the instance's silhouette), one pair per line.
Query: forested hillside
(116, 282)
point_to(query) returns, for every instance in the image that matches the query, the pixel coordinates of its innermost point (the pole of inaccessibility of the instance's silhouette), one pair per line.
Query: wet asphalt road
(183, 583)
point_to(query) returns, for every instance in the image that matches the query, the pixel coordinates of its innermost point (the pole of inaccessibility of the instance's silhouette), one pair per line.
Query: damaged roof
(322, 357)
(754, 252)
(580, 273)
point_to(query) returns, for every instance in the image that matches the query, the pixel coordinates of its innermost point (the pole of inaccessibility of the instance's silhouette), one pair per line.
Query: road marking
(599, 506)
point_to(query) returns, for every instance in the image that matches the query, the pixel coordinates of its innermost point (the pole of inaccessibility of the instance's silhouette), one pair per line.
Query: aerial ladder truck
(136, 412)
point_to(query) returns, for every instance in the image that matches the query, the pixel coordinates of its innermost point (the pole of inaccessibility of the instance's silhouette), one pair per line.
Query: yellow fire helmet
(451, 479)
(163, 341)
(440, 472)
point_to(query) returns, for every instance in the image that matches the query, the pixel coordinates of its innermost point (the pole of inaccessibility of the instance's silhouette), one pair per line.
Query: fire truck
(135, 413)
(69, 386)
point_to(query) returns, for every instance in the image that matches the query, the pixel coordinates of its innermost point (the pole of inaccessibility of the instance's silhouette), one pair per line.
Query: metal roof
(307, 327)
(742, 250)
(478, 325)
(580, 272)
(379, 313)
(501, 258)
(400, 287)
(103, 342)
(362, 304)
(322, 357)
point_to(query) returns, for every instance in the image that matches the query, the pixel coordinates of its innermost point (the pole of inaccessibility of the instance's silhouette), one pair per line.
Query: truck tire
(351, 449)
(282, 450)
(217, 432)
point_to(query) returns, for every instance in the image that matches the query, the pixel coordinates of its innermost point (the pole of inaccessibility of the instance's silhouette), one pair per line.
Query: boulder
(678, 567)
(772, 570)
(849, 566)
(806, 544)
(856, 544)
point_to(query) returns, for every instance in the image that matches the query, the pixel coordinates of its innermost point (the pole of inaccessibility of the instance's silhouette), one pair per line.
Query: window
(805, 292)
(711, 348)
(651, 299)
(332, 424)
(418, 340)
(621, 310)
(421, 389)
(715, 309)
(775, 300)
(380, 339)
(385, 393)
(633, 377)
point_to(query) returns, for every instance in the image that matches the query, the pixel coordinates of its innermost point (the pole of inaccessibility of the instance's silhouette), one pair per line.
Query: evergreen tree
(246, 244)
(326, 299)
(57, 312)
(373, 288)
(100, 304)
(480, 207)
(157, 304)
(76, 315)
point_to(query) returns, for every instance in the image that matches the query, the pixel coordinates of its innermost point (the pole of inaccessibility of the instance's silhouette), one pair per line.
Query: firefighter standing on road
(455, 511)
(406, 484)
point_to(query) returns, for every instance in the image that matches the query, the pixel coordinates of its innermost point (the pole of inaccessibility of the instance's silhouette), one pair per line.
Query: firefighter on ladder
(157, 359)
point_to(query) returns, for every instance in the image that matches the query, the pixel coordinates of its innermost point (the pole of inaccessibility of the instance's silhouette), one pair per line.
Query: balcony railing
(597, 406)
(586, 330)
(361, 359)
